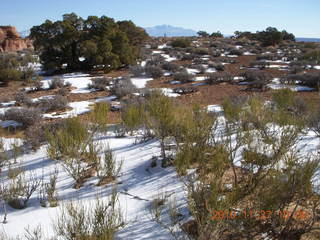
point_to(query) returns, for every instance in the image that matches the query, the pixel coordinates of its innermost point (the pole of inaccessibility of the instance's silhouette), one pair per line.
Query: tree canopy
(86, 44)
(269, 37)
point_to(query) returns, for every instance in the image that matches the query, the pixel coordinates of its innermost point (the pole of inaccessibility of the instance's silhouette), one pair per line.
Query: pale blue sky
(298, 16)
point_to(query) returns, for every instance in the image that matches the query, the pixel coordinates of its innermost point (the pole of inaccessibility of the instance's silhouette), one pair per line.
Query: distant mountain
(308, 39)
(24, 34)
(170, 31)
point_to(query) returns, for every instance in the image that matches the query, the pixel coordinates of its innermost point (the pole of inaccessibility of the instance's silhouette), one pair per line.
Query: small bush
(38, 85)
(183, 77)
(55, 83)
(181, 43)
(171, 67)
(154, 72)
(63, 91)
(100, 84)
(35, 134)
(137, 71)
(57, 103)
(100, 221)
(21, 98)
(107, 168)
(27, 117)
(123, 87)
(257, 79)
(99, 116)
(19, 191)
(235, 51)
(219, 77)
(49, 193)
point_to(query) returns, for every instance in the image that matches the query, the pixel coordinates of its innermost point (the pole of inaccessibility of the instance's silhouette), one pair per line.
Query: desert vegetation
(204, 137)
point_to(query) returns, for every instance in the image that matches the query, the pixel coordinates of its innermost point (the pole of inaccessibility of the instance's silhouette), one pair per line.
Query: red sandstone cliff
(10, 40)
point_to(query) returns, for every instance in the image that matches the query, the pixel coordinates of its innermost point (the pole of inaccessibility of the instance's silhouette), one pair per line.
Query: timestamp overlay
(218, 215)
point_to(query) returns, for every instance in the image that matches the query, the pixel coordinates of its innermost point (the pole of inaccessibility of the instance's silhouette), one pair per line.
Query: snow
(157, 52)
(168, 58)
(215, 108)
(79, 81)
(169, 92)
(202, 78)
(140, 184)
(211, 70)
(175, 82)
(78, 108)
(296, 88)
(162, 46)
(140, 82)
(8, 104)
(8, 142)
(248, 53)
(192, 71)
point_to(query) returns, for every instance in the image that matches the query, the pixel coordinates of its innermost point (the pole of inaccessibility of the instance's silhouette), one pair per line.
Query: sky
(300, 17)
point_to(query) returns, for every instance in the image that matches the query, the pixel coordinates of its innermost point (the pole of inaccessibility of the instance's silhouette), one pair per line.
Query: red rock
(10, 40)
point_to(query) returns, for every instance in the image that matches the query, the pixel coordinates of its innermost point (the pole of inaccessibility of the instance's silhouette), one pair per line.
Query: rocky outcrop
(10, 40)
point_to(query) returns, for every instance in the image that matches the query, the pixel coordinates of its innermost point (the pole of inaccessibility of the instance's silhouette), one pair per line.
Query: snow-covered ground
(79, 81)
(140, 82)
(139, 185)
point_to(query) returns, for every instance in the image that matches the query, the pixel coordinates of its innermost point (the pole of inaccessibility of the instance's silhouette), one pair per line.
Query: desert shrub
(38, 84)
(35, 134)
(55, 83)
(218, 77)
(57, 103)
(20, 189)
(235, 51)
(188, 57)
(13, 173)
(185, 90)
(72, 145)
(99, 116)
(9, 75)
(100, 84)
(25, 116)
(123, 87)
(295, 69)
(132, 117)
(154, 72)
(257, 79)
(107, 167)
(137, 71)
(260, 64)
(255, 75)
(156, 60)
(313, 56)
(49, 192)
(308, 79)
(63, 91)
(21, 98)
(100, 221)
(201, 51)
(283, 98)
(172, 67)
(183, 77)
(160, 111)
(218, 66)
(181, 43)
(200, 68)
(310, 45)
